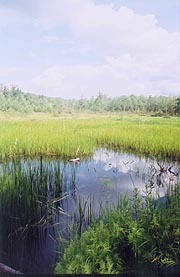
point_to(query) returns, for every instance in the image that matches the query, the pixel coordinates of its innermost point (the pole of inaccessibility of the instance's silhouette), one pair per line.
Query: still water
(39, 197)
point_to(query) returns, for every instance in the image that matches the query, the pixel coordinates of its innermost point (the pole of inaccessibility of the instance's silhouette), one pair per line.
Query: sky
(78, 48)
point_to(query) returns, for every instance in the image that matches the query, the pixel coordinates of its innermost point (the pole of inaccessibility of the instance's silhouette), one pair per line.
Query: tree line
(14, 100)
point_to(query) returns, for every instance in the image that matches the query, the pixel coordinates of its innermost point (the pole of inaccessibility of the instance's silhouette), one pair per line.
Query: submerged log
(6, 268)
(75, 160)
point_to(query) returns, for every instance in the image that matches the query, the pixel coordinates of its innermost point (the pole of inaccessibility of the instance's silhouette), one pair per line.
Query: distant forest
(14, 100)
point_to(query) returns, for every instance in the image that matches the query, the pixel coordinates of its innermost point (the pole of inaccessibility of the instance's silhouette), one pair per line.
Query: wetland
(64, 178)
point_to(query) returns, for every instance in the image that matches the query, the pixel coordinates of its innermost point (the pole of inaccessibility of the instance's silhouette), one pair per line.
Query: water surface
(32, 215)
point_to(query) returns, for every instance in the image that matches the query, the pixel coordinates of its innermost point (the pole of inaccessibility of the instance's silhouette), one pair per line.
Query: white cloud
(108, 29)
(31, 54)
(7, 16)
(122, 75)
(55, 38)
(15, 74)
(133, 53)
(49, 38)
(9, 70)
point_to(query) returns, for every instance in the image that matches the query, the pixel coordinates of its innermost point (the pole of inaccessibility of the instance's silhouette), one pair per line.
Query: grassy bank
(78, 135)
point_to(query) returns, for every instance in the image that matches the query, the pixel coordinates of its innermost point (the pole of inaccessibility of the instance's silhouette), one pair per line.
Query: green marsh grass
(31, 194)
(78, 137)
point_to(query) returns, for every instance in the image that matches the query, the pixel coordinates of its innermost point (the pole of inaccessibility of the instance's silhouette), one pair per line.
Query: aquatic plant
(136, 230)
(31, 194)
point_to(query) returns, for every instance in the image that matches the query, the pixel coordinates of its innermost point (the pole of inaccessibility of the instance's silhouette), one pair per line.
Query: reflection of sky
(112, 173)
(122, 162)
(107, 175)
(119, 171)
(107, 172)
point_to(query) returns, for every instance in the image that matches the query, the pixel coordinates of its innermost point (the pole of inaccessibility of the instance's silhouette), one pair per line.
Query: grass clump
(136, 231)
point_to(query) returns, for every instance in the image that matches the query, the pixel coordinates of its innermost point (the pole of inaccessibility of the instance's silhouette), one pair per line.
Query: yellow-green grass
(80, 134)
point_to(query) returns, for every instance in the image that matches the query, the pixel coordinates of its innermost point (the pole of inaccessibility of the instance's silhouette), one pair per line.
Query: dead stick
(6, 268)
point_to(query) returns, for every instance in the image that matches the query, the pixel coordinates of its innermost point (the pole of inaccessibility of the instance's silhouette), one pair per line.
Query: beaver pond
(41, 198)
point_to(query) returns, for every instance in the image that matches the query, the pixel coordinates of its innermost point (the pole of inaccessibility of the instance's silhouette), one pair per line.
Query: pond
(40, 198)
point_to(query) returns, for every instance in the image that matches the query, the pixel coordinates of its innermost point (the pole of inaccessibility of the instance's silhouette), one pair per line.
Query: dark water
(32, 216)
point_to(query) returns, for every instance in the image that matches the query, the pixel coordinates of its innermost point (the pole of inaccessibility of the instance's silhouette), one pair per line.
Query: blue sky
(75, 48)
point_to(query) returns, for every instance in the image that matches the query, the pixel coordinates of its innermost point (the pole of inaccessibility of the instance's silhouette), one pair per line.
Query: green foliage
(92, 255)
(177, 106)
(104, 247)
(14, 100)
(137, 230)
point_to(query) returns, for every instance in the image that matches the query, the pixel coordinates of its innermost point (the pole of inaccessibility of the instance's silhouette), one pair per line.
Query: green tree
(177, 106)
